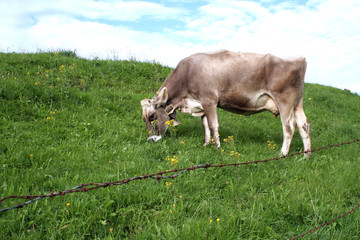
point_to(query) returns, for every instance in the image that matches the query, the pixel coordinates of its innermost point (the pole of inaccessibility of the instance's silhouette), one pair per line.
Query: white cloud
(327, 33)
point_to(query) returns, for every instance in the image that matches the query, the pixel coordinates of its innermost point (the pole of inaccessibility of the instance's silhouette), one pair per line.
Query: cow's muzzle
(154, 138)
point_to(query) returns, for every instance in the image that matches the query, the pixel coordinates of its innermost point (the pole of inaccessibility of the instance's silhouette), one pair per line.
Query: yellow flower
(182, 142)
(52, 112)
(168, 184)
(170, 122)
(211, 221)
(180, 196)
(170, 211)
(174, 205)
(37, 83)
(68, 204)
(48, 118)
(310, 99)
(31, 155)
(218, 219)
(111, 229)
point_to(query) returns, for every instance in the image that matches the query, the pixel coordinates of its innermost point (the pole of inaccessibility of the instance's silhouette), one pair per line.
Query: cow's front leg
(211, 115)
(207, 138)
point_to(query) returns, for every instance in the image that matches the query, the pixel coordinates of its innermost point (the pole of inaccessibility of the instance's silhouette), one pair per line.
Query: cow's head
(157, 115)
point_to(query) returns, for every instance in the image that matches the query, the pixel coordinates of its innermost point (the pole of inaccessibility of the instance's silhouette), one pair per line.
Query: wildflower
(218, 219)
(182, 142)
(172, 161)
(48, 118)
(68, 204)
(170, 122)
(31, 155)
(180, 196)
(52, 112)
(111, 229)
(271, 145)
(168, 184)
(170, 211)
(174, 205)
(37, 83)
(310, 99)
(211, 221)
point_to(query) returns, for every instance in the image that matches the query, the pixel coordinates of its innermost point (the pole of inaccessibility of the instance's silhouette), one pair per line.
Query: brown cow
(243, 83)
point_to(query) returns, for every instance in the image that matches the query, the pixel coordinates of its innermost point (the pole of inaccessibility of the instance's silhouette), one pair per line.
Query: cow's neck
(176, 94)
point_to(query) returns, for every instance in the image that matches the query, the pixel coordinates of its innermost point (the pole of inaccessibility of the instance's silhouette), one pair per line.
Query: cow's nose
(154, 138)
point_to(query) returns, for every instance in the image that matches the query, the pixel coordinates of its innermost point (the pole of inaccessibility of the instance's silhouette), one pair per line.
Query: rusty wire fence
(86, 187)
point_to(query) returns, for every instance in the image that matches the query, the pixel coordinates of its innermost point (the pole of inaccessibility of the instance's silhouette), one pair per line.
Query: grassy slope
(66, 121)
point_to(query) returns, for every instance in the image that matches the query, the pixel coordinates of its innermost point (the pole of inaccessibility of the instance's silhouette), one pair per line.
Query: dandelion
(31, 155)
(171, 211)
(174, 205)
(48, 118)
(271, 145)
(172, 161)
(170, 122)
(182, 142)
(218, 219)
(229, 138)
(180, 196)
(68, 204)
(211, 221)
(168, 184)
(52, 112)
(111, 229)
(37, 83)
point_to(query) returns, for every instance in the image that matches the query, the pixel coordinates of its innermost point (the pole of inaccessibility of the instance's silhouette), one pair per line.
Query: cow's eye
(152, 117)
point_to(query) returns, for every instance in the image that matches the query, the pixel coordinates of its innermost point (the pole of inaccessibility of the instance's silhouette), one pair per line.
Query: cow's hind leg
(288, 125)
(304, 128)
(207, 138)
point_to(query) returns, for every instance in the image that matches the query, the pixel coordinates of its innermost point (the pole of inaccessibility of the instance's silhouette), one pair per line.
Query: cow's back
(240, 79)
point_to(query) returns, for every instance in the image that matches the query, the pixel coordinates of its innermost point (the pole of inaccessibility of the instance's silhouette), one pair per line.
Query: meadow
(65, 121)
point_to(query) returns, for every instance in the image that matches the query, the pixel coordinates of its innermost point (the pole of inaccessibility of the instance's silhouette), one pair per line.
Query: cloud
(327, 33)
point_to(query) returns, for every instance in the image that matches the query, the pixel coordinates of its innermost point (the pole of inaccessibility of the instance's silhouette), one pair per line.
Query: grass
(66, 121)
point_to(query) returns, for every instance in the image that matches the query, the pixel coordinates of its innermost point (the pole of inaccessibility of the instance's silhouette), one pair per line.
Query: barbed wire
(160, 176)
(327, 223)
(157, 176)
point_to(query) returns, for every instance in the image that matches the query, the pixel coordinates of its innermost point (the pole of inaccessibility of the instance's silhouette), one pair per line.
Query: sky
(325, 32)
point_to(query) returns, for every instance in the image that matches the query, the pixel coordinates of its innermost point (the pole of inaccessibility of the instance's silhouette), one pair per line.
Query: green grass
(66, 121)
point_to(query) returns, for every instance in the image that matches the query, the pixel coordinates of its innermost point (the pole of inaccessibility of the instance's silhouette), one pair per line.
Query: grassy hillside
(66, 121)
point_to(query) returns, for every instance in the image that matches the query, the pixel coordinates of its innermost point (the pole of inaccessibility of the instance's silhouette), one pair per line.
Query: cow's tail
(300, 96)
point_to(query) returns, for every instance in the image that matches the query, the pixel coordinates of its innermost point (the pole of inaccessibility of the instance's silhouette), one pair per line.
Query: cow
(242, 83)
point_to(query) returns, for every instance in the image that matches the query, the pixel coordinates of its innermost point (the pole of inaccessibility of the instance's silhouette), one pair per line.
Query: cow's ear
(162, 97)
